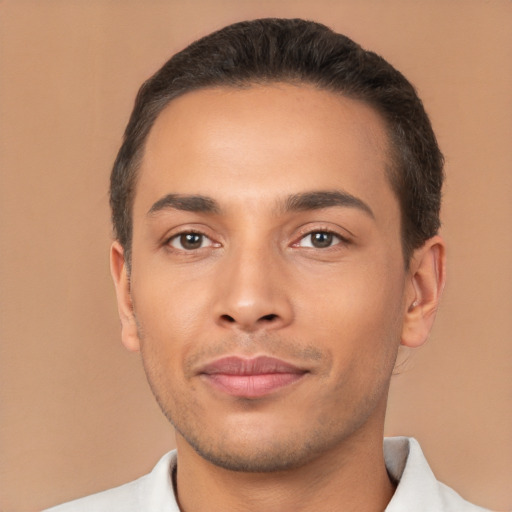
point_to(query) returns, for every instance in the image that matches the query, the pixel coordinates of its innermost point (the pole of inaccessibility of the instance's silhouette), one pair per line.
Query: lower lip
(252, 386)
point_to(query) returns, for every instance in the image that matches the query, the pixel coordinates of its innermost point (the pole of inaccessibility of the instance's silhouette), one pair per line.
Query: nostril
(228, 319)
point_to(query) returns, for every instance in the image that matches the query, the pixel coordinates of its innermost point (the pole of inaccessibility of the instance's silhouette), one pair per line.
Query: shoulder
(417, 487)
(454, 502)
(153, 492)
(123, 498)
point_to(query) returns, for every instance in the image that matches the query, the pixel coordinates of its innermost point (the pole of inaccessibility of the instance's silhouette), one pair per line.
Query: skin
(257, 282)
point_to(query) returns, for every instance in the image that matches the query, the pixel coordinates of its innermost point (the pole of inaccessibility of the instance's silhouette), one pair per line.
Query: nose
(253, 293)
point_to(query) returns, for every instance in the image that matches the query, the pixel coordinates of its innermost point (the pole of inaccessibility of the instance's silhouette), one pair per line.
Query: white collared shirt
(417, 489)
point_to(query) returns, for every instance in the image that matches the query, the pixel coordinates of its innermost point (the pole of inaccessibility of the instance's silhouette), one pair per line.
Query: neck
(350, 477)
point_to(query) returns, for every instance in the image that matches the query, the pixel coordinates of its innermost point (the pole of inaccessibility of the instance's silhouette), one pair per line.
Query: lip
(250, 378)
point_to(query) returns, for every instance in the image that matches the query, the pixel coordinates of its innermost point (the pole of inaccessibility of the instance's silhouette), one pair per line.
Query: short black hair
(296, 51)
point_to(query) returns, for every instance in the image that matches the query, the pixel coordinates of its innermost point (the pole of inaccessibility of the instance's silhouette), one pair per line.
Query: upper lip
(262, 365)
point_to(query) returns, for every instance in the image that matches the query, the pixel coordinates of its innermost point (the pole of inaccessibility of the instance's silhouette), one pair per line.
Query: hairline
(393, 165)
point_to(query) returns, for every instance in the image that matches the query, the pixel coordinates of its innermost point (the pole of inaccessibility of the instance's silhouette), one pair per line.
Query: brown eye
(319, 240)
(190, 241)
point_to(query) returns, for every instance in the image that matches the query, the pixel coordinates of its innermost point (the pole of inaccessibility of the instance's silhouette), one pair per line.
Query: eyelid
(308, 230)
(185, 230)
(336, 240)
(177, 237)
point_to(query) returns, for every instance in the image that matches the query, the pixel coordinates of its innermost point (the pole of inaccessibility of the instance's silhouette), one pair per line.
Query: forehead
(264, 141)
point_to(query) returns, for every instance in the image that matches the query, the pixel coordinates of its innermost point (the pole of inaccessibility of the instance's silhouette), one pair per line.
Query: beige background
(76, 413)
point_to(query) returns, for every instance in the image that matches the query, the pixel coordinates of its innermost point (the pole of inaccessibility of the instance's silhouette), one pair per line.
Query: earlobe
(120, 275)
(426, 283)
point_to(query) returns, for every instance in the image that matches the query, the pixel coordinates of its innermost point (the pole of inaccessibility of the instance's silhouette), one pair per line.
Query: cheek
(168, 307)
(358, 315)
(170, 319)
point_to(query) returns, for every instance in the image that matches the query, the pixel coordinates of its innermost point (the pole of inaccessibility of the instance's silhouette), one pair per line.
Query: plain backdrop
(76, 413)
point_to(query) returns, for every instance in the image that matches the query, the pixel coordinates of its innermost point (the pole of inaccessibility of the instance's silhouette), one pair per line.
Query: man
(276, 208)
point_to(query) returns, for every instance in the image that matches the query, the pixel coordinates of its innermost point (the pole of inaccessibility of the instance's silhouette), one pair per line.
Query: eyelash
(330, 233)
(297, 244)
(178, 236)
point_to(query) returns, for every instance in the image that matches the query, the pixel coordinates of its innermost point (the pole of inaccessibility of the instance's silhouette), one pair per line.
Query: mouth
(250, 378)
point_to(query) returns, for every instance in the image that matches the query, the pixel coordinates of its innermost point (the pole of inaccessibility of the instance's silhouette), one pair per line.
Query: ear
(424, 288)
(121, 277)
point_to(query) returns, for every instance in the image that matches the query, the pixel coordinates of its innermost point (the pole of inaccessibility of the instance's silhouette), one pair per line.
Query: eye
(319, 240)
(190, 241)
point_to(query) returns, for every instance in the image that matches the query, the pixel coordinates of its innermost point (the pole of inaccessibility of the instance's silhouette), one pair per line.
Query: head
(294, 51)
(272, 180)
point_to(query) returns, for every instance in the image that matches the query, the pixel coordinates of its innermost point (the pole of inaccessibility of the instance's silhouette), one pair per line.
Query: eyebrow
(303, 201)
(317, 200)
(188, 203)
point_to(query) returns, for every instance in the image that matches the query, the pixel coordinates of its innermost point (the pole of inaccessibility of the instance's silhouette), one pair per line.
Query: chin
(253, 456)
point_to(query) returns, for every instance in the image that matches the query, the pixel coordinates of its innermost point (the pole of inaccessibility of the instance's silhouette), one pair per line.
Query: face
(268, 289)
